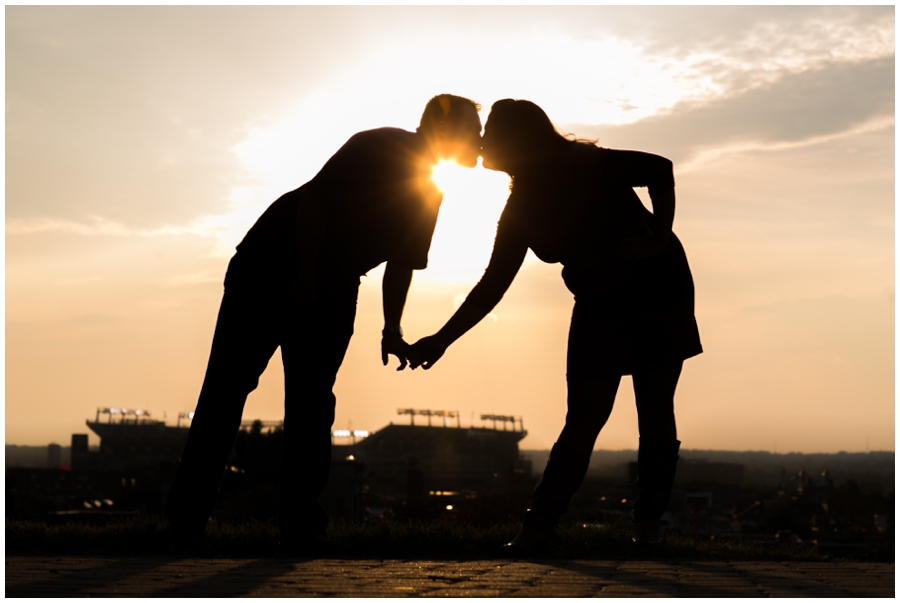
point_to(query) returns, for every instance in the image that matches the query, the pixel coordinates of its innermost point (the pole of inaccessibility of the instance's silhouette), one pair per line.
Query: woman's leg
(590, 403)
(654, 393)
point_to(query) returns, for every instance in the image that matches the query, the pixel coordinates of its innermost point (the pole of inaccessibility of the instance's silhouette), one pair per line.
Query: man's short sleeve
(414, 243)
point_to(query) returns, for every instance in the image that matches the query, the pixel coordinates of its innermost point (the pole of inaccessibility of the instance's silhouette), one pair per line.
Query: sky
(143, 142)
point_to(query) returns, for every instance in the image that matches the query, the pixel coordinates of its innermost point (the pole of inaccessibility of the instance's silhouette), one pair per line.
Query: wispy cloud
(99, 226)
(707, 155)
(216, 227)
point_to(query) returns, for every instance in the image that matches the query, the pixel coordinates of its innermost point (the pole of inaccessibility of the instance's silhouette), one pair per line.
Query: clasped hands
(424, 352)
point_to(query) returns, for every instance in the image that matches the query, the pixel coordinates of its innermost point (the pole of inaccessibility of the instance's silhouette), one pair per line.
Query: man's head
(452, 128)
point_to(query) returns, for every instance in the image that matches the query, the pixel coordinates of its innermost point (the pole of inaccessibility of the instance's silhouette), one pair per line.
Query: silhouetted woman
(573, 202)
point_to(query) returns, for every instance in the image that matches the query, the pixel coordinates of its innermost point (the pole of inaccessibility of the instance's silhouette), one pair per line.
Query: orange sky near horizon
(142, 143)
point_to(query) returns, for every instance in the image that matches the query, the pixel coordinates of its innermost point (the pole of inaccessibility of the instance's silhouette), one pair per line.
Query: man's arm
(394, 289)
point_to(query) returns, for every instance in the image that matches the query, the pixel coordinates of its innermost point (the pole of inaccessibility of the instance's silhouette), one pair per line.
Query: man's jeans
(255, 318)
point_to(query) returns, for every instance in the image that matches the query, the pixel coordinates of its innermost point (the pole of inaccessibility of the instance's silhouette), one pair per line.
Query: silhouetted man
(294, 282)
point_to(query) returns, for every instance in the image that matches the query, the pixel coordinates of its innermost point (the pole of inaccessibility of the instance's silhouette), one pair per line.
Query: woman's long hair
(549, 172)
(532, 143)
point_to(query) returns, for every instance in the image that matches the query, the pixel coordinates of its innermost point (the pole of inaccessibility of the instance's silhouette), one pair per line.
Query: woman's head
(517, 135)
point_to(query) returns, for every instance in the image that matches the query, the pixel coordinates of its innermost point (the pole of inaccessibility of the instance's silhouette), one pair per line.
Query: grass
(145, 535)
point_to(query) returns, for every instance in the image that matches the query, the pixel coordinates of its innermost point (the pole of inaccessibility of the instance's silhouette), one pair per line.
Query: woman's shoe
(536, 536)
(646, 533)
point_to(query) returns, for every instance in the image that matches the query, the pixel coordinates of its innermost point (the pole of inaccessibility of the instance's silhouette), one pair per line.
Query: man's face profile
(462, 139)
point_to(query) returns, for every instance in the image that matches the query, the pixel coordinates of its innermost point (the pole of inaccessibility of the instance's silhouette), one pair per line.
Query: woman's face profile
(492, 153)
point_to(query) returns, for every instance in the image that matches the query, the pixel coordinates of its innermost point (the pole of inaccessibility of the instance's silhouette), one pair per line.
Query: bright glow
(443, 174)
(360, 433)
(341, 433)
(464, 236)
(449, 507)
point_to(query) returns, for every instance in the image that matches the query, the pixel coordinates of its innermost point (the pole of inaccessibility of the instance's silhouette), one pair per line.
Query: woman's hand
(634, 249)
(425, 352)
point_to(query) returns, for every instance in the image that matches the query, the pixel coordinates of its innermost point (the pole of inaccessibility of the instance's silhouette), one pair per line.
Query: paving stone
(157, 577)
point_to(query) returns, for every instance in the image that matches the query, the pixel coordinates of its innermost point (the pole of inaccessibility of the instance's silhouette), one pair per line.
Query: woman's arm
(637, 169)
(506, 259)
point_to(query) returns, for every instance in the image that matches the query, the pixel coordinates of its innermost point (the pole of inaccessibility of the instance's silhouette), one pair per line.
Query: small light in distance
(449, 507)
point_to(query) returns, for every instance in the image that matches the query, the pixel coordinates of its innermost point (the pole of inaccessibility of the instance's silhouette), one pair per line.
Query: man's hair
(445, 107)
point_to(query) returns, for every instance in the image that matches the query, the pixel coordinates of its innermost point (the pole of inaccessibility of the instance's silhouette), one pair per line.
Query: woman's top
(577, 217)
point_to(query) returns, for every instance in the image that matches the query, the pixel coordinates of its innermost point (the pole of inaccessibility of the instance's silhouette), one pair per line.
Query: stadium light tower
(408, 411)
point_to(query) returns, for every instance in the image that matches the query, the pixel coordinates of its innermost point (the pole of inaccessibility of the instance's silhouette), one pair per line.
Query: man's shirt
(380, 203)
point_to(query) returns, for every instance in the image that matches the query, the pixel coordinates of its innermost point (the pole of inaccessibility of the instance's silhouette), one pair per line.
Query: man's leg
(244, 341)
(312, 353)
(654, 393)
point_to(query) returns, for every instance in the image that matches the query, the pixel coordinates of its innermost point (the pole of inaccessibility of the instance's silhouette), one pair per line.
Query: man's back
(380, 203)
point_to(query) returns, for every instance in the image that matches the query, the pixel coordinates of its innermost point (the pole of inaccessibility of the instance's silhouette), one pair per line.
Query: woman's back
(575, 210)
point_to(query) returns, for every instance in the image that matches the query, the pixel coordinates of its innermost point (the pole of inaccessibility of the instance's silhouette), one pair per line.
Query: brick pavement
(274, 577)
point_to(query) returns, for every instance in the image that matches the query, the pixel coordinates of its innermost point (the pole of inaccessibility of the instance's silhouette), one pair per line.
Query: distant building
(701, 472)
(54, 455)
(129, 438)
(132, 438)
(136, 461)
(446, 458)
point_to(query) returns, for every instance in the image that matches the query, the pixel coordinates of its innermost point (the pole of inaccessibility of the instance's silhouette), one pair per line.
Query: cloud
(99, 226)
(804, 108)
(752, 35)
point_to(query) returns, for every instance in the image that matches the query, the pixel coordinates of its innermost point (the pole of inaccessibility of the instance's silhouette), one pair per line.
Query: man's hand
(425, 352)
(392, 343)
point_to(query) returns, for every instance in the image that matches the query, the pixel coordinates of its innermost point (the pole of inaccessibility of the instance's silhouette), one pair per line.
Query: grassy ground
(434, 539)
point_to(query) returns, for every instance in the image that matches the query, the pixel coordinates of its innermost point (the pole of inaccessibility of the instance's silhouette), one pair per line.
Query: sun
(464, 236)
(447, 175)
